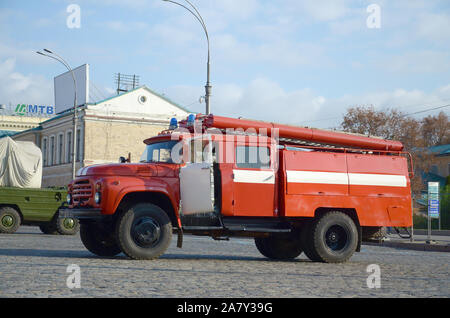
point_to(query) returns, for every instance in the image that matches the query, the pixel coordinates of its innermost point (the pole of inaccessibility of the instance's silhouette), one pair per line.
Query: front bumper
(81, 214)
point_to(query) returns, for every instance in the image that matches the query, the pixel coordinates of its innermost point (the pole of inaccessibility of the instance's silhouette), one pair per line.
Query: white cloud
(264, 99)
(121, 26)
(20, 88)
(324, 10)
(435, 27)
(419, 61)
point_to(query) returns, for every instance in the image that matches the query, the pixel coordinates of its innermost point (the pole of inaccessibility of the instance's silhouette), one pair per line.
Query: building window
(44, 151)
(60, 148)
(52, 151)
(69, 147)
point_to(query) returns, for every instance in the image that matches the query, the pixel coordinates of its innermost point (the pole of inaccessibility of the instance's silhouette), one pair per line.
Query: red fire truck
(292, 189)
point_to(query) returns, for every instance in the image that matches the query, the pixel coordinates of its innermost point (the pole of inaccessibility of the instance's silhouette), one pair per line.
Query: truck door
(254, 181)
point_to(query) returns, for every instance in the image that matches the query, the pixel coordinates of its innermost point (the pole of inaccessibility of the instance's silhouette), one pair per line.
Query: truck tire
(67, 226)
(306, 241)
(278, 248)
(144, 232)
(334, 238)
(98, 241)
(9, 220)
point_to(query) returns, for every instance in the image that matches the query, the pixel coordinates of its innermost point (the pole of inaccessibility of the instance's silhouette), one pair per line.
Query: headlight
(97, 197)
(69, 198)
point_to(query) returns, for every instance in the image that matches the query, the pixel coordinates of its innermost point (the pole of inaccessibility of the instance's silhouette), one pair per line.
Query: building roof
(148, 89)
(441, 150)
(7, 133)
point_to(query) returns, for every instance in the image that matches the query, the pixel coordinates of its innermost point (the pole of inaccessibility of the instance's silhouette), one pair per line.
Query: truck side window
(203, 151)
(252, 157)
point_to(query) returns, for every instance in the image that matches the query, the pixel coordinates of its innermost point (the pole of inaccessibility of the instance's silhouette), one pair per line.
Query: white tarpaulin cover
(20, 164)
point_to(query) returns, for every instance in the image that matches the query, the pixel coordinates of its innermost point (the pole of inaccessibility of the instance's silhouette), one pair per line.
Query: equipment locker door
(253, 182)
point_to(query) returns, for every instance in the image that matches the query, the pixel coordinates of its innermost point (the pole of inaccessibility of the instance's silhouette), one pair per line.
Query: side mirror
(124, 160)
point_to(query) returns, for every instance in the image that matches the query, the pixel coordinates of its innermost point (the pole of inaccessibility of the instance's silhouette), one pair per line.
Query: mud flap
(180, 238)
(358, 247)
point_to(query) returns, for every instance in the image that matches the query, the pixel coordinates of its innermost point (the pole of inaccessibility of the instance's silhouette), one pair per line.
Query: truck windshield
(159, 152)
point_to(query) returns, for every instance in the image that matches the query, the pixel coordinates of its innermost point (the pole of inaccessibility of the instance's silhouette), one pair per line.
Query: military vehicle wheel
(333, 237)
(9, 220)
(99, 241)
(278, 248)
(144, 231)
(67, 226)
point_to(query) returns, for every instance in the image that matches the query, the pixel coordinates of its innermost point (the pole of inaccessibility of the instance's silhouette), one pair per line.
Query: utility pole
(75, 115)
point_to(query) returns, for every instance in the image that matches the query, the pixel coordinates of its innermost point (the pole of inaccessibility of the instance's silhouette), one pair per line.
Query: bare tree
(416, 135)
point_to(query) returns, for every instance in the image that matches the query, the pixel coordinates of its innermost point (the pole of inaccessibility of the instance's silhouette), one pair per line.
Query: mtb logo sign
(23, 110)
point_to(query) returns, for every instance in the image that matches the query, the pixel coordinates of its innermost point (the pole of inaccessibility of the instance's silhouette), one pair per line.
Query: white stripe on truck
(319, 177)
(384, 180)
(254, 176)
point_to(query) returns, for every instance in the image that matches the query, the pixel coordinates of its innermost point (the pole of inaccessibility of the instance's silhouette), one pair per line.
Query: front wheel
(67, 226)
(144, 232)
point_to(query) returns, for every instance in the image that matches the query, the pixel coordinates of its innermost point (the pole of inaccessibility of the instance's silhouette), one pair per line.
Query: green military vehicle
(22, 200)
(34, 207)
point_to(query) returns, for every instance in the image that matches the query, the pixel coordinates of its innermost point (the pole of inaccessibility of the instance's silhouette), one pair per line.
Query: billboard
(64, 88)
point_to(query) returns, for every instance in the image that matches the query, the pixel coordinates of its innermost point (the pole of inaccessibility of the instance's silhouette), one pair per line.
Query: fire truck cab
(292, 189)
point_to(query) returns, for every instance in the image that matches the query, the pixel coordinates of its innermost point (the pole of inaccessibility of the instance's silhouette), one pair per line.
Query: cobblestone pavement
(34, 265)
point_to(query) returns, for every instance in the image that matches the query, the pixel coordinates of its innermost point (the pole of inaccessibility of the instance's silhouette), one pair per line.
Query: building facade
(106, 131)
(11, 125)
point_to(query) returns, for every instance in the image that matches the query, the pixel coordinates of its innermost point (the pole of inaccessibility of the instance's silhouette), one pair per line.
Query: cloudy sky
(292, 61)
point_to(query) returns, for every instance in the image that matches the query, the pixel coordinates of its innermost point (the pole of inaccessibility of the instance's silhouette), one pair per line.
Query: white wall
(131, 104)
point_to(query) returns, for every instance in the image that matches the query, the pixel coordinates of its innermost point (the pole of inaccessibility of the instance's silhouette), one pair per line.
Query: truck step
(256, 225)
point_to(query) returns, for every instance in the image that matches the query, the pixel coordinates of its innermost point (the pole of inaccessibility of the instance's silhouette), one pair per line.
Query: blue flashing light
(173, 124)
(191, 120)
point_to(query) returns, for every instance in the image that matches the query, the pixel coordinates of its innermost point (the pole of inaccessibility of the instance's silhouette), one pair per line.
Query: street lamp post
(197, 15)
(75, 117)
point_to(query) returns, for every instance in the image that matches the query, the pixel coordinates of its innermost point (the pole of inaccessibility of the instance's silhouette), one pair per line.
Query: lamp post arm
(198, 17)
(63, 62)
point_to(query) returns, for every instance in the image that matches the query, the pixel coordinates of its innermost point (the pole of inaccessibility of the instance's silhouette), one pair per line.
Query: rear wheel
(9, 220)
(333, 238)
(306, 241)
(98, 240)
(66, 226)
(144, 231)
(278, 248)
